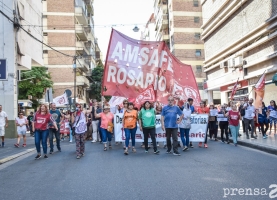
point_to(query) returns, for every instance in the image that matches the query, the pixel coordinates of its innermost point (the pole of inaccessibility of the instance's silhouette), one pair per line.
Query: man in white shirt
(248, 118)
(3, 124)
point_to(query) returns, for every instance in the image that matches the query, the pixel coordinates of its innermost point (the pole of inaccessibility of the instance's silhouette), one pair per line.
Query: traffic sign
(3, 70)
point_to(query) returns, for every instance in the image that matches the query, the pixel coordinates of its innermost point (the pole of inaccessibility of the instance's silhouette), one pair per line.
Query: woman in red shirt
(234, 117)
(40, 124)
(203, 110)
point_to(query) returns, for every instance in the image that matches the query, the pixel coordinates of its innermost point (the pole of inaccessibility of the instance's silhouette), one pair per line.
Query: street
(197, 174)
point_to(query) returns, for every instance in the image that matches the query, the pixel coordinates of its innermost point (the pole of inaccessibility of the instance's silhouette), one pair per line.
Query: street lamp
(135, 29)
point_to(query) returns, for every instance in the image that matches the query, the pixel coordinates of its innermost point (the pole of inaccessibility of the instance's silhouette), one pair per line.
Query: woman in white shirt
(185, 126)
(21, 123)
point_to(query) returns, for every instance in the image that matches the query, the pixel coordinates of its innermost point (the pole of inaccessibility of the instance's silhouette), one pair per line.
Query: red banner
(132, 65)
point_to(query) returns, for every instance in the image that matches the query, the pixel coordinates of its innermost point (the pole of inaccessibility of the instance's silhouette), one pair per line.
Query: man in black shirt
(30, 119)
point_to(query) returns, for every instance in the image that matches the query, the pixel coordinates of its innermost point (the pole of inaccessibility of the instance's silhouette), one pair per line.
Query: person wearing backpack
(242, 113)
(147, 124)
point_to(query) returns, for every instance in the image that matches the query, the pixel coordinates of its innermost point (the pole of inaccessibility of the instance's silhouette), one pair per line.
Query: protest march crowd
(97, 122)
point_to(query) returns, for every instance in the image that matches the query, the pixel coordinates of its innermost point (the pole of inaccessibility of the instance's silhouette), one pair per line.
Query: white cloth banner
(114, 101)
(199, 123)
(61, 100)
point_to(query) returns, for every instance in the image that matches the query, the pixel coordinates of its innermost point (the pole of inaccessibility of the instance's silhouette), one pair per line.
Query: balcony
(81, 13)
(81, 47)
(90, 29)
(81, 32)
(90, 7)
(82, 65)
(82, 81)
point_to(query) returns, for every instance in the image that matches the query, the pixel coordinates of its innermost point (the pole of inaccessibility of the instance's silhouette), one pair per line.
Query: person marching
(203, 110)
(249, 118)
(272, 109)
(234, 117)
(213, 124)
(185, 126)
(147, 124)
(80, 128)
(21, 123)
(224, 125)
(40, 124)
(170, 125)
(30, 119)
(106, 125)
(129, 123)
(263, 120)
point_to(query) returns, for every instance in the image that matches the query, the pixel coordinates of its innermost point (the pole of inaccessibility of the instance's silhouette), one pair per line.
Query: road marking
(4, 160)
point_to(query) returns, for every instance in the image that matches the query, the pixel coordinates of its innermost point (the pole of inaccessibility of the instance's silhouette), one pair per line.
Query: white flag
(115, 100)
(61, 100)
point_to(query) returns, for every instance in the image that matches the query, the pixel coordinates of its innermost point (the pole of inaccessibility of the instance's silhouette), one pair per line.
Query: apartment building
(19, 50)
(178, 23)
(68, 26)
(240, 44)
(149, 33)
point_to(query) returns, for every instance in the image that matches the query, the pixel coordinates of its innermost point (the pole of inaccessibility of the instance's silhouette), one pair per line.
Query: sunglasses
(20, 114)
(170, 100)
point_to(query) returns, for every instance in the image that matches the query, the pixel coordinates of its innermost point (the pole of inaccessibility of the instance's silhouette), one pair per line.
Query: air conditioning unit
(238, 61)
(232, 62)
(224, 64)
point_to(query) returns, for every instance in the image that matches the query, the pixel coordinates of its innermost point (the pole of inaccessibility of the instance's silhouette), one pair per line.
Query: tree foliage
(96, 86)
(34, 83)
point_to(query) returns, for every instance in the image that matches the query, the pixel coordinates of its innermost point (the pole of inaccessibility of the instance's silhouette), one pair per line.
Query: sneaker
(134, 150)
(222, 141)
(236, 144)
(264, 137)
(126, 152)
(116, 143)
(247, 137)
(24, 145)
(176, 153)
(16, 145)
(190, 145)
(186, 148)
(156, 152)
(158, 144)
(205, 145)
(253, 137)
(110, 146)
(51, 152)
(38, 157)
(83, 154)
(142, 146)
(200, 144)
(168, 152)
(228, 142)
(146, 151)
(70, 141)
(215, 139)
(45, 156)
(93, 141)
(78, 157)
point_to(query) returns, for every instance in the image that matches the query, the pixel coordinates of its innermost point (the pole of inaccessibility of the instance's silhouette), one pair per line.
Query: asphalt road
(197, 174)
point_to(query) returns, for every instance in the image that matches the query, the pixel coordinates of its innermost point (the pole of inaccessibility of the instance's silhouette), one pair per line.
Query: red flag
(146, 95)
(259, 89)
(234, 90)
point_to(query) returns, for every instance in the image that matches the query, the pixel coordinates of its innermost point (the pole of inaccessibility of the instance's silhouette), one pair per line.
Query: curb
(9, 158)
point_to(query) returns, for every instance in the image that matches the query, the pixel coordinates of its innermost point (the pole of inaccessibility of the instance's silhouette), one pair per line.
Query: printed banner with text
(132, 65)
(199, 123)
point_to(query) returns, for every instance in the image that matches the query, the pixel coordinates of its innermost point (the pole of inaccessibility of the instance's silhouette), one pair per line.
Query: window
(199, 68)
(195, 3)
(45, 51)
(200, 86)
(197, 36)
(196, 19)
(45, 34)
(198, 52)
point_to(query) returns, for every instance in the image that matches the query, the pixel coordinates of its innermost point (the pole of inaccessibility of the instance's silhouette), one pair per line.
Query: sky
(122, 15)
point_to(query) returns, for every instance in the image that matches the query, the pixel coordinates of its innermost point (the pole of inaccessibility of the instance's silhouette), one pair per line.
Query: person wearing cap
(147, 124)
(170, 125)
(129, 123)
(106, 129)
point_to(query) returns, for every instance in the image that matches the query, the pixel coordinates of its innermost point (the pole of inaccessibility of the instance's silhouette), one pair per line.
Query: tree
(34, 83)
(96, 86)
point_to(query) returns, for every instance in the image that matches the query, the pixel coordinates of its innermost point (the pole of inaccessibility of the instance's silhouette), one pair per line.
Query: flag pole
(256, 83)
(236, 84)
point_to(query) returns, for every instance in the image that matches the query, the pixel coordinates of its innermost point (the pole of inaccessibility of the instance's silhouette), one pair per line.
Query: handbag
(187, 124)
(110, 127)
(73, 128)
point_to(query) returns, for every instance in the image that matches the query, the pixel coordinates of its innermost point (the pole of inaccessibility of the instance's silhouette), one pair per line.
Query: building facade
(69, 28)
(240, 44)
(19, 49)
(178, 23)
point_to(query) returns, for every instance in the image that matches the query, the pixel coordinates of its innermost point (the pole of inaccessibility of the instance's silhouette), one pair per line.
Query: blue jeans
(106, 134)
(55, 132)
(185, 133)
(70, 135)
(132, 133)
(41, 135)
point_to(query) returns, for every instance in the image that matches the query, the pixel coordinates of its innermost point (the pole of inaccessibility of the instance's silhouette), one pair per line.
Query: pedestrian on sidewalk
(3, 124)
(95, 121)
(272, 110)
(21, 123)
(263, 120)
(129, 123)
(40, 123)
(30, 119)
(249, 118)
(106, 125)
(170, 125)
(147, 124)
(80, 128)
(185, 126)
(224, 125)
(234, 117)
(204, 110)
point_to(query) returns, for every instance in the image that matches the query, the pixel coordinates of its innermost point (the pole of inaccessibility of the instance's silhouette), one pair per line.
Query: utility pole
(74, 69)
